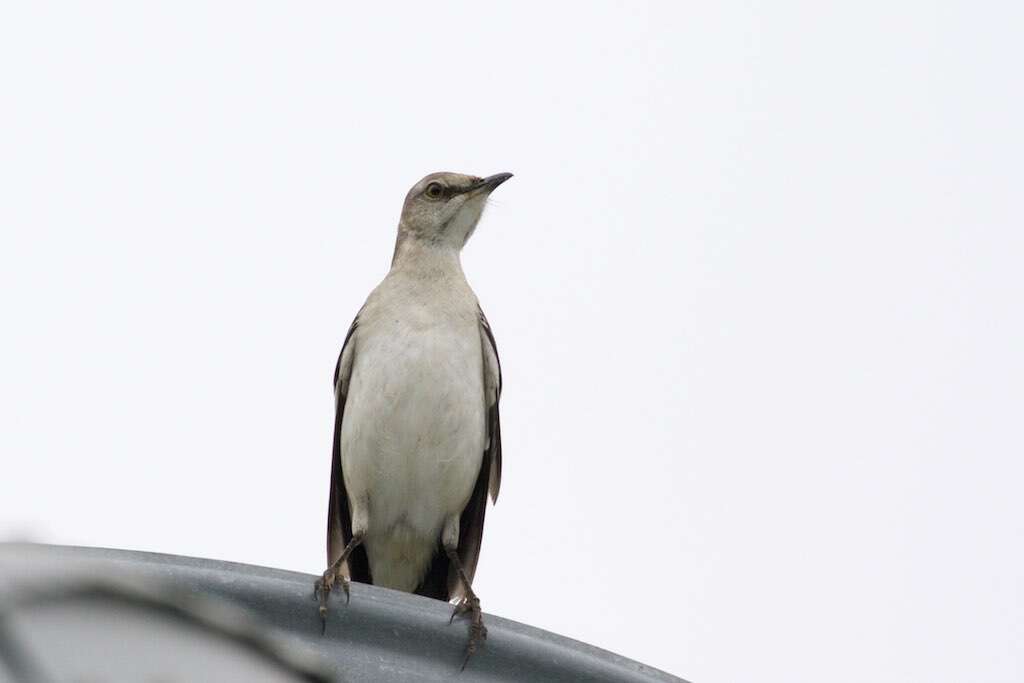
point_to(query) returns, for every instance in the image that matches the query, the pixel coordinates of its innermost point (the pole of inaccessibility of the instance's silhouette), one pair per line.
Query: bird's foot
(322, 590)
(477, 631)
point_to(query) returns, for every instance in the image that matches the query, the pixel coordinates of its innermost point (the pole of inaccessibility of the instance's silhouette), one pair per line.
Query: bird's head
(444, 208)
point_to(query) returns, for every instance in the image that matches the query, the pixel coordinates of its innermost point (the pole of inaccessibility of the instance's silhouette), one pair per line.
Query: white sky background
(756, 285)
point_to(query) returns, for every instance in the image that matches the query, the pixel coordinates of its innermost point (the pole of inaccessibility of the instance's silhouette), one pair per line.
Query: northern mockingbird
(417, 443)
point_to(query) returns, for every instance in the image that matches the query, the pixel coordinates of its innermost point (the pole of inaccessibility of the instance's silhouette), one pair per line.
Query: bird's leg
(322, 587)
(470, 604)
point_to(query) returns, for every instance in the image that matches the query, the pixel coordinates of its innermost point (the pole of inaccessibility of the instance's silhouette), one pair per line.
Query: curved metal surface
(382, 635)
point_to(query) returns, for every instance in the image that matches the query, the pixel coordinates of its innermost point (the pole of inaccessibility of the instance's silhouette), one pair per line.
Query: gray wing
(339, 516)
(492, 390)
(471, 523)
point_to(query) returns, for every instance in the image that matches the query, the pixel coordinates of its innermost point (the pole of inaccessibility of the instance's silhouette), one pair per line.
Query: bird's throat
(426, 258)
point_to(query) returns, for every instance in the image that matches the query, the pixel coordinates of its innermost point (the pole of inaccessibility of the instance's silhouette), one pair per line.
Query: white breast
(414, 430)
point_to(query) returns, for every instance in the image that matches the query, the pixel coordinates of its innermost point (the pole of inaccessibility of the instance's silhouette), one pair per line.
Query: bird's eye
(434, 191)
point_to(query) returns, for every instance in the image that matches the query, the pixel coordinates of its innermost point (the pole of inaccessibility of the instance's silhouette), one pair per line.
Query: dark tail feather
(435, 583)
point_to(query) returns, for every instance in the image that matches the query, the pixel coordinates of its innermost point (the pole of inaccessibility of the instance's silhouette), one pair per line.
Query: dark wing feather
(492, 375)
(441, 581)
(339, 517)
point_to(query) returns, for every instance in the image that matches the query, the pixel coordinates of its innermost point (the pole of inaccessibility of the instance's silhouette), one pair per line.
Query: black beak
(492, 181)
(488, 184)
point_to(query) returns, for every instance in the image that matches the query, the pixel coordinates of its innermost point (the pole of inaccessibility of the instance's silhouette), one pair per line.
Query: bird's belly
(411, 446)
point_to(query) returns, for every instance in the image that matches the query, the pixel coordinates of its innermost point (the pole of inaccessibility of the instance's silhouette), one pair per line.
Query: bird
(417, 436)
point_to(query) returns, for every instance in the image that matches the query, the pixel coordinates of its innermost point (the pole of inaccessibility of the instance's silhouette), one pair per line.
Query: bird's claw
(477, 630)
(462, 606)
(322, 590)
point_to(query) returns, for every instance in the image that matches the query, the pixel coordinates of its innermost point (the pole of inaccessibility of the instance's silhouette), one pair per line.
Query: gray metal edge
(381, 635)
